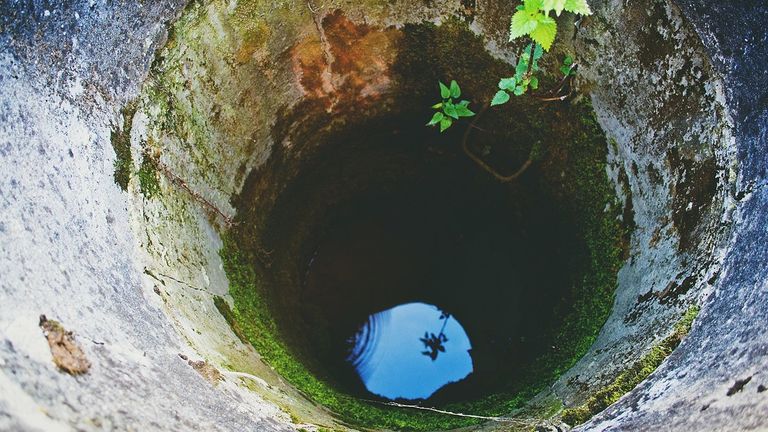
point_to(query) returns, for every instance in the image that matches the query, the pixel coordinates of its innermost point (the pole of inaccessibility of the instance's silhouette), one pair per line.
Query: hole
(498, 260)
(386, 225)
(350, 209)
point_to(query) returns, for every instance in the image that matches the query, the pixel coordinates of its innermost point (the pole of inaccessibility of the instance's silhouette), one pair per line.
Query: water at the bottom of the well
(497, 265)
(410, 351)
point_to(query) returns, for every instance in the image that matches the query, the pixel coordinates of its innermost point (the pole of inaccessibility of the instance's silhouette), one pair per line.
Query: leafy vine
(532, 19)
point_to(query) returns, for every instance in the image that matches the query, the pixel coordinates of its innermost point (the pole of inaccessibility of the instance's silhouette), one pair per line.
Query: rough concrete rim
(64, 255)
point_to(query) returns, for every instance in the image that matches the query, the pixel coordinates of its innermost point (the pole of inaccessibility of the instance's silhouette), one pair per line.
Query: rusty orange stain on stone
(310, 67)
(344, 61)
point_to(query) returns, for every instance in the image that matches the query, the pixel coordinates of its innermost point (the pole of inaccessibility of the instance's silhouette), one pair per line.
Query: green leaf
(455, 90)
(568, 60)
(450, 110)
(464, 103)
(436, 118)
(519, 90)
(534, 83)
(507, 83)
(523, 23)
(445, 92)
(437, 105)
(578, 7)
(463, 111)
(501, 97)
(445, 123)
(532, 5)
(555, 5)
(521, 68)
(566, 70)
(545, 32)
(537, 53)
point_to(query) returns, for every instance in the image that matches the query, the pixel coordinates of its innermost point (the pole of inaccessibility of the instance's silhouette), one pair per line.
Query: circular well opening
(499, 260)
(355, 210)
(396, 269)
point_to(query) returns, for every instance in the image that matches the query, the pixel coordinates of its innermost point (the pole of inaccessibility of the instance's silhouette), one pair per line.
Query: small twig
(515, 421)
(559, 88)
(178, 181)
(158, 275)
(482, 163)
(556, 98)
(182, 282)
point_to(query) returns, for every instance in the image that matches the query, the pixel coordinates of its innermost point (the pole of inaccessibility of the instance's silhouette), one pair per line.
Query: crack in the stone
(155, 275)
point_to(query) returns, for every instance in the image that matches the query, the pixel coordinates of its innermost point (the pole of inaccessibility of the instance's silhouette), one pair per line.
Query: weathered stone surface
(728, 342)
(138, 287)
(65, 248)
(662, 106)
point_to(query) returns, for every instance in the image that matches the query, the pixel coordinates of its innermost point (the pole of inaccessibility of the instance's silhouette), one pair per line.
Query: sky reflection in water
(402, 353)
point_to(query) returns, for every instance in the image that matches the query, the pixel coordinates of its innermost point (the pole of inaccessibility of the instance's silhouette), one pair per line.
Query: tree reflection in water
(388, 353)
(434, 342)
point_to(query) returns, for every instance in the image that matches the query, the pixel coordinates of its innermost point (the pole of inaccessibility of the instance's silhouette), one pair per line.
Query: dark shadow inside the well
(399, 214)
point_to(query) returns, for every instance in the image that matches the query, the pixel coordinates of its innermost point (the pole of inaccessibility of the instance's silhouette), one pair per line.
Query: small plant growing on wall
(527, 66)
(531, 19)
(450, 109)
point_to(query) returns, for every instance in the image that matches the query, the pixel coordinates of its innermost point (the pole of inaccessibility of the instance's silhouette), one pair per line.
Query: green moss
(223, 307)
(121, 142)
(149, 183)
(633, 376)
(255, 319)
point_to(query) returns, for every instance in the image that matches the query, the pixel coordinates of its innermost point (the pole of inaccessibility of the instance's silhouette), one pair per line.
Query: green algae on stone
(149, 182)
(223, 307)
(254, 317)
(633, 376)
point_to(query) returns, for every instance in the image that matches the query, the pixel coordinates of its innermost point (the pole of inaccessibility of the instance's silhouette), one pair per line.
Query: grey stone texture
(136, 289)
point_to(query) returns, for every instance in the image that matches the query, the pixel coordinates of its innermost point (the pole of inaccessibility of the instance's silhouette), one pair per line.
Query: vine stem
(559, 89)
(481, 163)
(530, 59)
